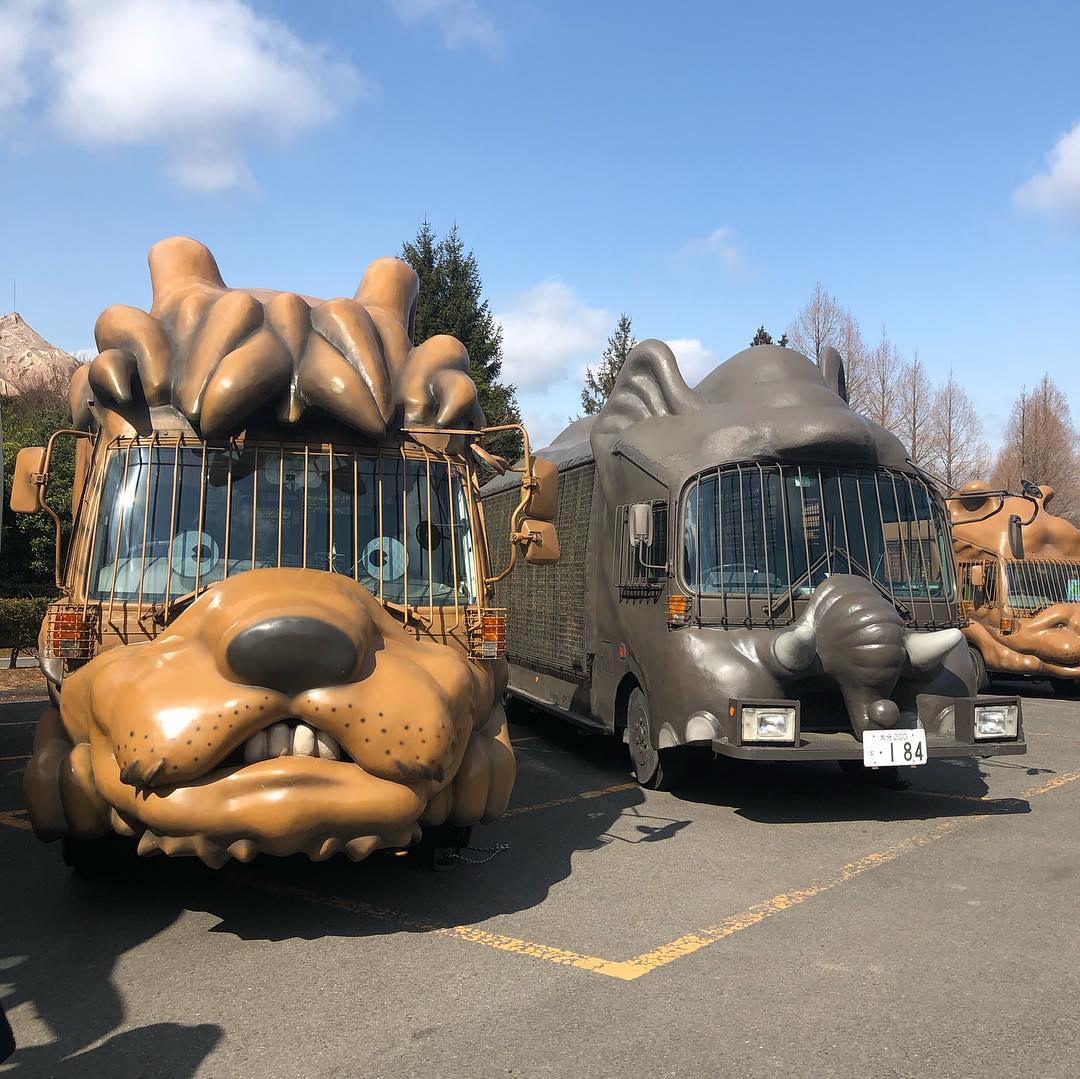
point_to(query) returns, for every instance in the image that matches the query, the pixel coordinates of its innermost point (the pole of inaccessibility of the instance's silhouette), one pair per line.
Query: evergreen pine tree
(451, 301)
(598, 385)
(783, 342)
(762, 337)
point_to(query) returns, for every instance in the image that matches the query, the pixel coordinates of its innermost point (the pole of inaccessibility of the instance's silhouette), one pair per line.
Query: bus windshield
(175, 517)
(1035, 584)
(777, 531)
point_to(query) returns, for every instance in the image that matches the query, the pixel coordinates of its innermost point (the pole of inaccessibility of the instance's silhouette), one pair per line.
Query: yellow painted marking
(1053, 784)
(13, 818)
(616, 789)
(631, 969)
(17, 757)
(464, 932)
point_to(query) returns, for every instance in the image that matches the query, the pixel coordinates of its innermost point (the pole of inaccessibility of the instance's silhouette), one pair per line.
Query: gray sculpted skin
(751, 541)
(773, 403)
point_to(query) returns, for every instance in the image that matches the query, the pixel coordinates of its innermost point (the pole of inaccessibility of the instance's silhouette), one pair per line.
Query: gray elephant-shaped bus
(748, 566)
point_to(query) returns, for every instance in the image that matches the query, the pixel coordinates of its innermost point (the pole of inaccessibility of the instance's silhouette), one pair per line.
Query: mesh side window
(546, 605)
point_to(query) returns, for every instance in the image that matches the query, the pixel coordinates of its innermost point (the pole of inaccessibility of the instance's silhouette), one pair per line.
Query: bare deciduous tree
(817, 325)
(853, 350)
(960, 452)
(884, 366)
(1041, 445)
(913, 413)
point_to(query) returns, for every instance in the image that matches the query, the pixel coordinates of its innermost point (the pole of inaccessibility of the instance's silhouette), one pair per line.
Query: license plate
(881, 749)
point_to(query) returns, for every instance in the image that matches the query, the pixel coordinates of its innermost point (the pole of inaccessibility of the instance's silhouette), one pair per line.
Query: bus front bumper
(950, 726)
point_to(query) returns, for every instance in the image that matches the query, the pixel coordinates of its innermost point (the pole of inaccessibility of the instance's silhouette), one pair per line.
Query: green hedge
(20, 621)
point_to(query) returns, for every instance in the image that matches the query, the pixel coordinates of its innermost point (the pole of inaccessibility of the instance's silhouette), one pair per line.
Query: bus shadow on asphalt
(819, 792)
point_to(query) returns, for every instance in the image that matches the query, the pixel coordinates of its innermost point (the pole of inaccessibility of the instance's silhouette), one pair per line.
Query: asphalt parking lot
(769, 920)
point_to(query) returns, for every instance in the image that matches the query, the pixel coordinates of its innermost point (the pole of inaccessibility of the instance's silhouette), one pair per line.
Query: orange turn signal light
(487, 637)
(678, 609)
(70, 635)
(1006, 624)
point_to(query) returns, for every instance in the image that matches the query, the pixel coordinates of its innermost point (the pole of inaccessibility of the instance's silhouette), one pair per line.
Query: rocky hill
(27, 359)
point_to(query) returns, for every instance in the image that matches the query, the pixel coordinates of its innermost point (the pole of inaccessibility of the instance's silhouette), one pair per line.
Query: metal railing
(169, 515)
(1022, 588)
(758, 537)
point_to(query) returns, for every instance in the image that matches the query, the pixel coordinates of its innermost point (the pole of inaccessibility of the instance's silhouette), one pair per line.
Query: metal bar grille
(144, 552)
(738, 519)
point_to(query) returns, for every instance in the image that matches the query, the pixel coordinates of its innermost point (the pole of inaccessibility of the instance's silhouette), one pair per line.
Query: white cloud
(205, 81)
(462, 22)
(550, 333)
(719, 244)
(1057, 189)
(695, 360)
(18, 28)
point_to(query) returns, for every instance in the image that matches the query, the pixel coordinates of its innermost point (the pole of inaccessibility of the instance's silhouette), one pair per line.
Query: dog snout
(291, 653)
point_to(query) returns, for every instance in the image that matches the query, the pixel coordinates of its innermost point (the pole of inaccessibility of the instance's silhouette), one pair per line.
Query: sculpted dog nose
(291, 654)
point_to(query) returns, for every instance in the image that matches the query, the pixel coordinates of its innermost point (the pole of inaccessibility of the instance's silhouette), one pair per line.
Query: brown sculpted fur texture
(284, 710)
(1046, 643)
(221, 356)
(150, 738)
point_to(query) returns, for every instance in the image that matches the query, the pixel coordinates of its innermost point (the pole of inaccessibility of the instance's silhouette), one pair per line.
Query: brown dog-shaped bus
(273, 633)
(1019, 578)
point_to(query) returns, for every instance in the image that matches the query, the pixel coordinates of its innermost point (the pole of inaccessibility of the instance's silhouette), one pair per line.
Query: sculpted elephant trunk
(854, 635)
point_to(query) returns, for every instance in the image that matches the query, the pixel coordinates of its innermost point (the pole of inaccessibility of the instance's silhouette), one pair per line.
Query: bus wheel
(89, 858)
(656, 769)
(981, 679)
(1064, 687)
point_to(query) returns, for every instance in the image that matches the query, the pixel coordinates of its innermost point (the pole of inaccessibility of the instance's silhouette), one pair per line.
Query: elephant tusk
(928, 650)
(796, 648)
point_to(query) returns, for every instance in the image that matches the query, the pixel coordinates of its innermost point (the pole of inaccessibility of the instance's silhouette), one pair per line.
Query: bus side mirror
(28, 480)
(541, 542)
(543, 481)
(641, 524)
(978, 576)
(537, 534)
(1016, 536)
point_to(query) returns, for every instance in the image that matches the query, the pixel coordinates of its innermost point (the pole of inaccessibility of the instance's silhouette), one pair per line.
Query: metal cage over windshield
(1031, 585)
(172, 515)
(758, 538)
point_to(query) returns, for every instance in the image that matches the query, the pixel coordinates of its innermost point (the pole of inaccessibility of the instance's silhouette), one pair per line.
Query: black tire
(982, 680)
(656, 769)
(90, 858)
(440, 844)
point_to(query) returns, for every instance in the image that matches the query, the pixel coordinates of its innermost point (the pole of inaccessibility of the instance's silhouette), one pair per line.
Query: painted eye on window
(422, 535)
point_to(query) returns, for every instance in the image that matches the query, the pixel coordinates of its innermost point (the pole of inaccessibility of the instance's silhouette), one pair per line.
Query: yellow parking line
(516, 811)
(693, 942)
(640, 965)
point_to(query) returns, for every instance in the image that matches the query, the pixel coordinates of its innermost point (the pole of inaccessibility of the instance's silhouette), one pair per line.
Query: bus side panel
(548, 631)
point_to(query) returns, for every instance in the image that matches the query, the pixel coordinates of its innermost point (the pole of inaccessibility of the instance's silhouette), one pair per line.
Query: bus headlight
(994, 721)
(768, 723)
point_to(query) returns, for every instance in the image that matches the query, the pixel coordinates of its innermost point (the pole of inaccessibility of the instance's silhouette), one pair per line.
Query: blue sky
(698, 165)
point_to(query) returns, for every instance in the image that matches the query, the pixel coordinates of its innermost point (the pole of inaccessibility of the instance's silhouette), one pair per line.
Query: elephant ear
(831, 365)
(649, 384)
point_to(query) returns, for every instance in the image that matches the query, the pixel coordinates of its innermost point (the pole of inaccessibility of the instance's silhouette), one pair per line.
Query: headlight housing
(767, 723)
(994, 722)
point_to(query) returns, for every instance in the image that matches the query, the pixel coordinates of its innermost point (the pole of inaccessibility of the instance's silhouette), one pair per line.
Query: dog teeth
(255, 748)
(291, 740)
(303, 741)
(278, 739)
(329, 750)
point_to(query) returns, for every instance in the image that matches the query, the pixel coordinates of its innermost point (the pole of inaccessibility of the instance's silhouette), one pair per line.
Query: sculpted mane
(218, 356)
